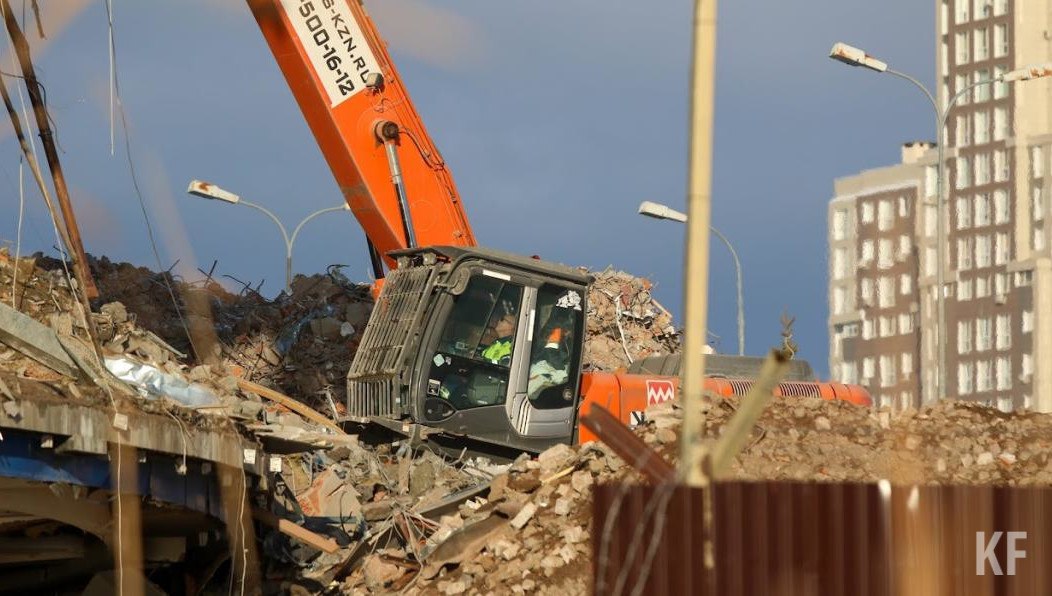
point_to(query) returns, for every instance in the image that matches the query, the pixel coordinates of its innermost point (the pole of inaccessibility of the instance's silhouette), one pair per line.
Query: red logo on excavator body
(659, 391)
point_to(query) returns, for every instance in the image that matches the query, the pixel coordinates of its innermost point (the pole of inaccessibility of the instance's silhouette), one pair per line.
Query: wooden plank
(296, 406)
(290, 529)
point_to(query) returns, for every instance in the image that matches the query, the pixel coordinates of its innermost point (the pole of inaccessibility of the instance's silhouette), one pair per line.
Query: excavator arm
(388, 169)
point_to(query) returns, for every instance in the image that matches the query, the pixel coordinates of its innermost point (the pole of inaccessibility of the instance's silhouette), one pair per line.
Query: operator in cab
(499, 338)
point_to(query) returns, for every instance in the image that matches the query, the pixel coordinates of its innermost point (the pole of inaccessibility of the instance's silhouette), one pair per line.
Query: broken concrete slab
(36, 340)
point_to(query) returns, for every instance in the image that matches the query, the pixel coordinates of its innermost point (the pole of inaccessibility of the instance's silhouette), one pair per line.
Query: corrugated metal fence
(808, 538)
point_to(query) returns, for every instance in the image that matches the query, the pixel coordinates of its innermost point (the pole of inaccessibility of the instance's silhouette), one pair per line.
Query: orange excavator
(466, 346)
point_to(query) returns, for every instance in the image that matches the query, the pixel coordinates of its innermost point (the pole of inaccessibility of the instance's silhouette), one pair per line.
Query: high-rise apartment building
(998, 268)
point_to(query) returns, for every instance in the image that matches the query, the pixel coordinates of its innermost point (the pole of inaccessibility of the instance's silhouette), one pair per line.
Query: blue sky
(556, 118)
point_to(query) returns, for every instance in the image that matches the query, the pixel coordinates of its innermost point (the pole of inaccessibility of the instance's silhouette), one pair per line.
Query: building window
(929, 260)
(964, 290)
(1001, 211)
(887, 371)
(1037, 161)
(905, 284)
(964, 337)
(867, 369)
(886, 293)
(1039, 239)
(1001, 172)
(960, 83)
(839, 300)
(906, 364)
(964, 213)
(1036, 204)
(1023, 278)
(887, 327)
(961, 46)
(1003, 329)
(965, 378)
(885, 259)
(1001, 248)
(983, 255)
(867, 253)
(867, 329)
(981, 38)
(982, 123)
(964, 254)
(1000, 124)
(931, 180)
(885, 215)
(982, 92)
(982, 168)
(960, 14)
(1027, 321)
(1000, 87)
(982, 210)
(1000, 7)
(982, 286)
(839, 263)
(984, 8)
(964, 130)
(839, 224)
(904, 246)
(963, 173)
(1004, 374)
(1000, 41)
(930, 221)
(867, 212)
(1001, 284)
(849, 373)
(904, 206)
(905, 323)
(984, 376)
(983, 335)
(867, 291)
(1027, 366)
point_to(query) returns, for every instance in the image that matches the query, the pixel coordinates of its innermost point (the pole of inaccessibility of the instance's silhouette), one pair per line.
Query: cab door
(545, 401)
(467, 368)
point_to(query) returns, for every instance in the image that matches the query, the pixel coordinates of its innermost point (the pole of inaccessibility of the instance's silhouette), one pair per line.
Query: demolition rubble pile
(300, 343)
(532, 532)
(625, 323)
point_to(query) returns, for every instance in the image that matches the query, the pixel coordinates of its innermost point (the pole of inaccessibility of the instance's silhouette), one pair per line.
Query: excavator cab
(474, 343)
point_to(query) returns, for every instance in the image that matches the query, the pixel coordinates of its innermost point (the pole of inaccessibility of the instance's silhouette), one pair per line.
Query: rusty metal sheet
(782, 538)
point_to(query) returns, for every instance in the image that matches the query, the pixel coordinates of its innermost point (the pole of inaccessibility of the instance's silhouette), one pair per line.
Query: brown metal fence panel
(781, 538)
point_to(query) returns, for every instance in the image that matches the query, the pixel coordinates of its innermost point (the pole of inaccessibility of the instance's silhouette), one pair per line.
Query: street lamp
(207, 190)
(853, 56)
(659, 211)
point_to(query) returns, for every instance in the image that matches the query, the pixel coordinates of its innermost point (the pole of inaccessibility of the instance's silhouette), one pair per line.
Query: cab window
(554, 354)
(471, 366)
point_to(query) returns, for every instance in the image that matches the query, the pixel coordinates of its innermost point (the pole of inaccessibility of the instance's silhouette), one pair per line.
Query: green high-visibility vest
(497, 350)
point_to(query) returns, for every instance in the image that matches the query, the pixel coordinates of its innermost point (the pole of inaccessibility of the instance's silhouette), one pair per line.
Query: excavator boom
(388, 169)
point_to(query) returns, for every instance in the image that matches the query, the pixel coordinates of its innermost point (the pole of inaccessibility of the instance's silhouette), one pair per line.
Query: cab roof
(455, 253)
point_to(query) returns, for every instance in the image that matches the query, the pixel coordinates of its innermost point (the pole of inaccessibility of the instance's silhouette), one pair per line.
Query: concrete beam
(36, 340)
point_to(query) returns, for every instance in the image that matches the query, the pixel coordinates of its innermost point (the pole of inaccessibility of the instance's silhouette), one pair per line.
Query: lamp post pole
(210, 191)
(855, 57)
(659, 211)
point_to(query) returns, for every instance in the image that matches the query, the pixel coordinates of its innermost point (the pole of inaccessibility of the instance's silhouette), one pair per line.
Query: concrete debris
(625, 322)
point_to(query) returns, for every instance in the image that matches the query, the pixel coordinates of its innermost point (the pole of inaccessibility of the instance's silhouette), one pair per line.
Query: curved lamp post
(207, 190)
(853, 56)
(659, 211)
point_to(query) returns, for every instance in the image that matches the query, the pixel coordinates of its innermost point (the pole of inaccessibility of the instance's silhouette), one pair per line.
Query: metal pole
(940, 240)
(296, 232)
(941, 203)
(703, 84)
(284, 235)
(741, 301)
